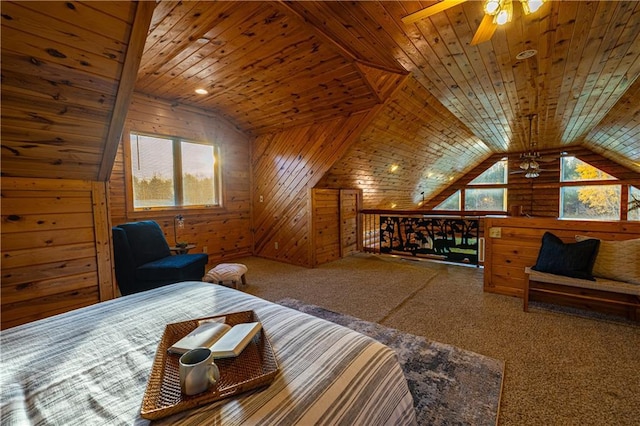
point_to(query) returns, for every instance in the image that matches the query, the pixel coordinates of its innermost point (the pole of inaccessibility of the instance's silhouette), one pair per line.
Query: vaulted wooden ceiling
(273, 65)
(270, 65)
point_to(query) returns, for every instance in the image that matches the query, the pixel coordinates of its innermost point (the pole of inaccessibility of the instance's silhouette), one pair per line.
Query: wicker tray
(256, 366)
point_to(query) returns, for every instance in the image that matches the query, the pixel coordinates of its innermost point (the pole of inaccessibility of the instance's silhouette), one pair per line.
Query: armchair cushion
(182, 267)
(143, 260)
(146, 240)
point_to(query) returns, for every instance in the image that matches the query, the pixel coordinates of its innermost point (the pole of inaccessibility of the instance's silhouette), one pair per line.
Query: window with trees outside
(451, 203)
(634, 203)
(171, 172)
(587, 192)
(487, 192)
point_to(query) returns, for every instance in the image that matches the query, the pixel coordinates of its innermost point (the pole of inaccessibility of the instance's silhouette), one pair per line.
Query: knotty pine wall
(225, 231)
(540, 197)
(56, 253)
(286, 166)
(520, 240)
(326, 229)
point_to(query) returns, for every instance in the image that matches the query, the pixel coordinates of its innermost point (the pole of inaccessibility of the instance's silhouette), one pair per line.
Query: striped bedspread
(90, 366)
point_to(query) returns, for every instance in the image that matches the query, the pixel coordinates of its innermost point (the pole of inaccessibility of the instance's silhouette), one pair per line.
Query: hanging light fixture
(502, 10)
(529, 161)
(531, 6)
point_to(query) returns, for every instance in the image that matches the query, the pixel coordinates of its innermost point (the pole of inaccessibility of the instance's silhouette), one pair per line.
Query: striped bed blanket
(90, 366)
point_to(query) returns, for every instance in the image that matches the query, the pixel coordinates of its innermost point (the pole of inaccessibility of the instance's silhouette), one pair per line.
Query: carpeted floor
(560, 369)
(450, 386)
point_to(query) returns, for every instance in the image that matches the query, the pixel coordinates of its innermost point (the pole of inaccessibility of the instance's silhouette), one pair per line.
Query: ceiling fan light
(491, 7)
(533, 164)
(531, 6)
(524, 165)
(502, 17)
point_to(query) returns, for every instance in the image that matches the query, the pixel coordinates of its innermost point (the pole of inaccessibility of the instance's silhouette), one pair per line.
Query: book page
(203, 336)
(235, 340)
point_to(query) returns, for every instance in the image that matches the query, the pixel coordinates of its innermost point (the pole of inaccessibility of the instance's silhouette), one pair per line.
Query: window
(172, 172)
(488, 192)
(587, 192)
(485, 199)
(451, 203)
(496, 174)
(634, 203)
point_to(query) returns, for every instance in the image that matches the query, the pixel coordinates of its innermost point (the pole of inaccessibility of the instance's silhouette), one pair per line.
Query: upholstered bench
(614, 283)
(232, 272)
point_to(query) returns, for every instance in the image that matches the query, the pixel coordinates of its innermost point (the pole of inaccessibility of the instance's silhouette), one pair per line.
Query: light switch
(495, 232)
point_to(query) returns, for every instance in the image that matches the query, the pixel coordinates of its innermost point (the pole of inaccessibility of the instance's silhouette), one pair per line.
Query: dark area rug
(450, 386)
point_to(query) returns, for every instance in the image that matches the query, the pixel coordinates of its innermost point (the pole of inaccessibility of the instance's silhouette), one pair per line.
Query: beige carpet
(560, 369)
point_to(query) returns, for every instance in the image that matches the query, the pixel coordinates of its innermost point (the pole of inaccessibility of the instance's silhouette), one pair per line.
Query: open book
(223, 340)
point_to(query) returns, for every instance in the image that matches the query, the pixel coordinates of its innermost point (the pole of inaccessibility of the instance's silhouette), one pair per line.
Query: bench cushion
(617, 260)
(599, 283)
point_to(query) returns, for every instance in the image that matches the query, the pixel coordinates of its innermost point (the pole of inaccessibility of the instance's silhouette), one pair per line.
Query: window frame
(622, 209)
(477, 186)
(132, 211)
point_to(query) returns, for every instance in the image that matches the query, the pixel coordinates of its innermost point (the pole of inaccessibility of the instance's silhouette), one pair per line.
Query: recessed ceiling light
(394, 167)
(201, 91)
(525, 54)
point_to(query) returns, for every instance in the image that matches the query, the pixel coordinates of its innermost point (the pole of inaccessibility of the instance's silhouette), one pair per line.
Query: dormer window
(169, 172)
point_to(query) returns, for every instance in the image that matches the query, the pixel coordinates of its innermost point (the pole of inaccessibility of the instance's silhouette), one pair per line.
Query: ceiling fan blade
(431, 10)
(485, 30)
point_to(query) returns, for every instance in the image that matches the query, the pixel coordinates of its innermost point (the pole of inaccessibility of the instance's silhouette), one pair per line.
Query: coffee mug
(197, 371)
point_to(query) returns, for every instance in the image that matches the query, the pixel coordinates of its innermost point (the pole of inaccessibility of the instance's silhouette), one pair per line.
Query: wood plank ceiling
(62, 64)
(272, 65)
(264, 70)
(269, 66)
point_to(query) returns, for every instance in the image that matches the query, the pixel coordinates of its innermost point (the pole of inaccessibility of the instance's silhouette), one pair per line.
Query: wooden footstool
(233, 272)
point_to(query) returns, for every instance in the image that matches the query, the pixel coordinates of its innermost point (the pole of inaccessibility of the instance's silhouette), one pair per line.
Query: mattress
(90, 366)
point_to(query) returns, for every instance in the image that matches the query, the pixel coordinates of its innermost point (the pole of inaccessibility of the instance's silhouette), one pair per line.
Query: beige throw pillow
(617, 260)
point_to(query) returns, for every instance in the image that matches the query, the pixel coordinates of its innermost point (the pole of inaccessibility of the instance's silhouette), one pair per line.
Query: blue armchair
(143, 259)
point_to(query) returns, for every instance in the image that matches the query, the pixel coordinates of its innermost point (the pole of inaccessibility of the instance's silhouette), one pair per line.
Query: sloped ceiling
(272, 65)
(264, 69)
(269, 66)
(66, 83)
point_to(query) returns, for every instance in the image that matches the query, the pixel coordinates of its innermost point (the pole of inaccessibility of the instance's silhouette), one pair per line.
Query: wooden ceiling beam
(139, 30)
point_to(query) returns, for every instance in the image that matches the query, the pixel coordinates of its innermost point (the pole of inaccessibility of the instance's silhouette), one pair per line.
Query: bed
(90, 366)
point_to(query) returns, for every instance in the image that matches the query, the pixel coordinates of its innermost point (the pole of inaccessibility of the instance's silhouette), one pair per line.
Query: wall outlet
(495, 232)
(205, 249)
(276, 245)
(261, 199)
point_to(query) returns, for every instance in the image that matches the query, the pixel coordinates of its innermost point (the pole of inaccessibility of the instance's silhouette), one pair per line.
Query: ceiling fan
(530, 160)
(496, 12)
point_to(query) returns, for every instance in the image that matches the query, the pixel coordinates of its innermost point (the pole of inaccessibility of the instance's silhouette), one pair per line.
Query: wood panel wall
(325, 240)
(520, 240)
(540, 197)
(350, 221)
(335, 224)
(286, 166)
(225, 232)
(56, 253)
(415, 133)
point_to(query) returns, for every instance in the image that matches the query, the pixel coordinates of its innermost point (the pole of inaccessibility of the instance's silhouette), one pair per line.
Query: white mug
(197, 371)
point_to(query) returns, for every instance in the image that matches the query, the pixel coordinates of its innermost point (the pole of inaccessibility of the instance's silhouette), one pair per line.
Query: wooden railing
(441, 235)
